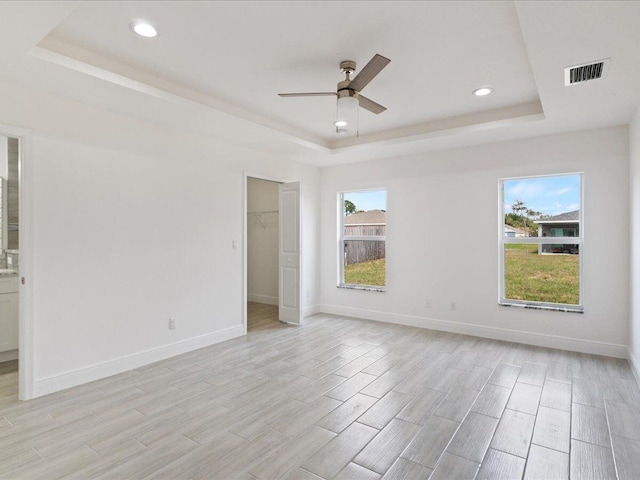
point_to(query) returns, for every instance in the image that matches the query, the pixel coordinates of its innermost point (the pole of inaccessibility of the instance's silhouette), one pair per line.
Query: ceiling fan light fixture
(482, 91)
(348, 103)
(144, 29)
(346, 112)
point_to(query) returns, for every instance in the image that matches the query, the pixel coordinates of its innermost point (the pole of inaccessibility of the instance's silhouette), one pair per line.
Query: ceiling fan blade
(312, 94)
(370, 105)
(368, 73)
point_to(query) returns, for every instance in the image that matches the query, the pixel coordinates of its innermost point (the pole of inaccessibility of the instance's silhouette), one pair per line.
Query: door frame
(245, 293)
(26, 381)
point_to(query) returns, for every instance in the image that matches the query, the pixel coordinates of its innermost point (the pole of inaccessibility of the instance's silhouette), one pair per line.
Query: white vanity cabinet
(8, 313)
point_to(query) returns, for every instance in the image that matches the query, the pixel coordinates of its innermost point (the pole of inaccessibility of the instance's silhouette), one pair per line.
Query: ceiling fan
(348, 90)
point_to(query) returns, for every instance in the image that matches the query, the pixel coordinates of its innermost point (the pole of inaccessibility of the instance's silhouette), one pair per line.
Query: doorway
(9, 262)
(20, 261)
(262, 252)
(272, 246)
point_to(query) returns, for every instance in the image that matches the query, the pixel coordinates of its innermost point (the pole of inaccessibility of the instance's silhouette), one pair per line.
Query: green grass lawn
(528, 276)
(522, 247)
(366, 273)
(541, 278)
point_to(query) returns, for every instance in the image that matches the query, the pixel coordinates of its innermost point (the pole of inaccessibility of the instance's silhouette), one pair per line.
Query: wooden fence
(358, 251)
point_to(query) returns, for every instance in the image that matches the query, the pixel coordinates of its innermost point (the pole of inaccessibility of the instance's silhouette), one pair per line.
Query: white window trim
(503, 240)
(342, 238)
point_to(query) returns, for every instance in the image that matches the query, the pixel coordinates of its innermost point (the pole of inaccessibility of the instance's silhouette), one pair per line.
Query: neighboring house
(513, 232)
(372, 218)
(562, 225)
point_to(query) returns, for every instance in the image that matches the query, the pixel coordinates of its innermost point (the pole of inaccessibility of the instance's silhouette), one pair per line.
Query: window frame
(343, 238)
(504, 240)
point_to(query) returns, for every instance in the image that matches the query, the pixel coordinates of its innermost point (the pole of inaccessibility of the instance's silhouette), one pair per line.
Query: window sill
(366, 288)
(542, 307)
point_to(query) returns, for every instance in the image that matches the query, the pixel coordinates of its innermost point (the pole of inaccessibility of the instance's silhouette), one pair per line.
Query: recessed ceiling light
(482, 91)
(340, 123)
(144, 29)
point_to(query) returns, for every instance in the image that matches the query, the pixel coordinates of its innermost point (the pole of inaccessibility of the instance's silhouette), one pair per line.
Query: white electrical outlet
(172, 324)
(427, 303)
(234, 244)
(454, 306)
(308, 293)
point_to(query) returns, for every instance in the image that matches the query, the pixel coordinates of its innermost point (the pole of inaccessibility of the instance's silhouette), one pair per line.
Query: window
(536, 271)
(362, 244)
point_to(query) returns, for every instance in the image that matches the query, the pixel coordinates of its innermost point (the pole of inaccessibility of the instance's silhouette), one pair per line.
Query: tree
(349, 207)
(531, 216)
(520, 209)
(523, 217)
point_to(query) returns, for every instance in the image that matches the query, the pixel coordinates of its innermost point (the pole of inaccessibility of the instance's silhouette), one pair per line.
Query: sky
(549, 195)
(371, 200)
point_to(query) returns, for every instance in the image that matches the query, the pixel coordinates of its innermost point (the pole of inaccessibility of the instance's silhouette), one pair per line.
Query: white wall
(133, 225)
(262, 241)
(442, 232)
(634, 175)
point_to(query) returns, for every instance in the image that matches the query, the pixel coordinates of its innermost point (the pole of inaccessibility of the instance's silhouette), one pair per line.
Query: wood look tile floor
(338, 398)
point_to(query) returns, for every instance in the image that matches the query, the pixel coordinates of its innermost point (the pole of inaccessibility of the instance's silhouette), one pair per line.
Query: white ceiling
(216, 68)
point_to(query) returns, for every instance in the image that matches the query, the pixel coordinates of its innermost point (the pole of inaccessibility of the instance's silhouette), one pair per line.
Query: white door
(290, 278)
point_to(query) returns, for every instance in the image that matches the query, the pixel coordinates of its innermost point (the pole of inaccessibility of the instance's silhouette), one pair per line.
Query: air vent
(585, 72)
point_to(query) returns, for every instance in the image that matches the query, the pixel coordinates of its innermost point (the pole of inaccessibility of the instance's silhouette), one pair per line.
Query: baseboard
(80, 376)
(635, 366)
(518, 336)
(267, 299)
(310, 310)
(8, 355)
